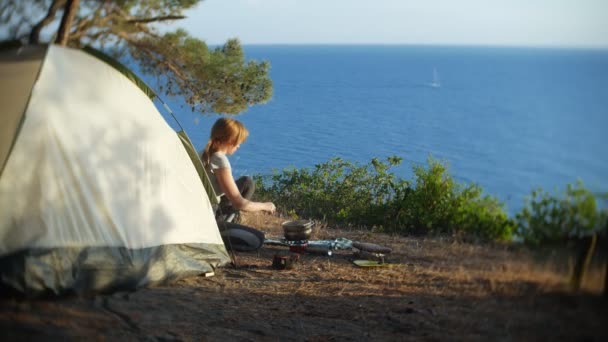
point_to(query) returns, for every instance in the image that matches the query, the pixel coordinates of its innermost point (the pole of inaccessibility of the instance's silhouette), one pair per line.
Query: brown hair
(224, 130)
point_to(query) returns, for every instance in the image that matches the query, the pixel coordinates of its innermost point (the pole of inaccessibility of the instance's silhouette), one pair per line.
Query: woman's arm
(226, 181)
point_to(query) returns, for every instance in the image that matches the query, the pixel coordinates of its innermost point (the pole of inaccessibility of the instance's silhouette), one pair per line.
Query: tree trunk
(71, 7)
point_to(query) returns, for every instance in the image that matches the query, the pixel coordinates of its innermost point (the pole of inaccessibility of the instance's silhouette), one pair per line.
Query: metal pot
(297, 230)
(301, 235)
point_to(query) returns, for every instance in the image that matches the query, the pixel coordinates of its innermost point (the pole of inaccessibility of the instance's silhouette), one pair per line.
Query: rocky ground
(432, 289)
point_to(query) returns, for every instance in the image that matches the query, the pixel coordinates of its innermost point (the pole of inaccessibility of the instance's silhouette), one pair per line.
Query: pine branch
(50, 16)
(149, 20)
(185, 83)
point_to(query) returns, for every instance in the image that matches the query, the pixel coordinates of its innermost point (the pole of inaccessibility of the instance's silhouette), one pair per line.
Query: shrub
(438, 204)
(550, 218)
(338, 191)
(347, 193)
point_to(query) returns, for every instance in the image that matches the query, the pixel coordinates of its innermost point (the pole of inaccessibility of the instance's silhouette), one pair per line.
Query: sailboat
(436, 83)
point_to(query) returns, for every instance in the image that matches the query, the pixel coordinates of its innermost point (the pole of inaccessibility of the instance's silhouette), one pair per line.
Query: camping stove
(297, 234)
(297, 246)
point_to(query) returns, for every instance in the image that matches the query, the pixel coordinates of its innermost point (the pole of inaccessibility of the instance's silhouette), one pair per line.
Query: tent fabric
(97, 182)
(42, 271)
(18, 71)
(122, 69)
(198, 165)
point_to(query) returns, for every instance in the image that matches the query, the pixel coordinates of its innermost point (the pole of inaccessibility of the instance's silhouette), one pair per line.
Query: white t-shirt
(218, 160)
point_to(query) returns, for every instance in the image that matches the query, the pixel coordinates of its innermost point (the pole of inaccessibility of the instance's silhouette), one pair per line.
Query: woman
(227, 135)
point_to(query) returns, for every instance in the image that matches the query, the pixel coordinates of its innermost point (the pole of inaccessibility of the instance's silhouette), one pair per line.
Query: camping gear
(97, 192)
(285, 261)
(297, 230)
(241, 238)
(297, 246)
(318, 248)
(328, 247)
(325, 247)
(297, 234)
(369, 263)
(371, 247)
(370, 251)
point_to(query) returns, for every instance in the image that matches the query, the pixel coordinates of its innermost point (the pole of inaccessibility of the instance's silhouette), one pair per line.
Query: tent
(97, 192)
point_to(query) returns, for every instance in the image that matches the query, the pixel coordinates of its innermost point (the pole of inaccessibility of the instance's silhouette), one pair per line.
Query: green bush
(438, 204)
(337, 191)
(342, 192)
(550, 218)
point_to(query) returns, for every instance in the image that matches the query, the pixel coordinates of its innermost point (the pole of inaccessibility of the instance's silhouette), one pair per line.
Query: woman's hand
(270, 207)
(228, 185)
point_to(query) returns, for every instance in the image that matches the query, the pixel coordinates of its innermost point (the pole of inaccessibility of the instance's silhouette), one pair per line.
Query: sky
(567, 23)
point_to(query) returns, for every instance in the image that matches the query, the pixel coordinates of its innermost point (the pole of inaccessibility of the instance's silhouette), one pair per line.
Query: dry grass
(434, 289)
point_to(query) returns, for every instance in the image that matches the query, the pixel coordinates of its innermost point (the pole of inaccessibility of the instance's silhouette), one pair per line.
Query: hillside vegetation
(370, 196)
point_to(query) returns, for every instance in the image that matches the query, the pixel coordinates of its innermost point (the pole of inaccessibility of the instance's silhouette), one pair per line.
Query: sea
(509, 119)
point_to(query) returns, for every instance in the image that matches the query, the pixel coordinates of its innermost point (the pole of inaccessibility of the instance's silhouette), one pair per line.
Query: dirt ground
(433, 289)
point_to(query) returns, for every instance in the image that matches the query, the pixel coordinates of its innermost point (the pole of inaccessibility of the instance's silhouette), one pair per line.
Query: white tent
(97, 192)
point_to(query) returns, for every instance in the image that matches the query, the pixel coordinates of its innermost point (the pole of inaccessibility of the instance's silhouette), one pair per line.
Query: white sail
(435, 83)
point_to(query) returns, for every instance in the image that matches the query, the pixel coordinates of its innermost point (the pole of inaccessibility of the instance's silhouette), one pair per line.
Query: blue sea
(508, 119)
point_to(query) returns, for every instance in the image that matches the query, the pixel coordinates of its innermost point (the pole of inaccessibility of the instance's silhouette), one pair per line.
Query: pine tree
(218, 80)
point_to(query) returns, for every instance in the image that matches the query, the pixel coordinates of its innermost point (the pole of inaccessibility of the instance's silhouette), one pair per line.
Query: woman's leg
(246, 187)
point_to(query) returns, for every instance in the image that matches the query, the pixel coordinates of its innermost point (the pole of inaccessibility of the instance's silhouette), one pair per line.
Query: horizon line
(540, 46)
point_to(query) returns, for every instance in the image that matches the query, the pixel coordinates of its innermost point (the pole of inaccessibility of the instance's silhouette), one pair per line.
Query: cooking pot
(297, 230)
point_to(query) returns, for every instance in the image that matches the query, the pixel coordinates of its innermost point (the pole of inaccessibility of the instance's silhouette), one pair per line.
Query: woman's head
(226, 133)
